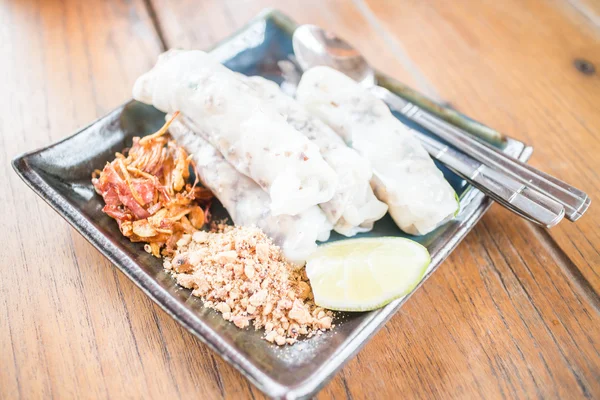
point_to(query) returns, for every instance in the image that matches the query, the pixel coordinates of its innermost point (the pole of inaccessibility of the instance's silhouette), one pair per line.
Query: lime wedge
(365, 274)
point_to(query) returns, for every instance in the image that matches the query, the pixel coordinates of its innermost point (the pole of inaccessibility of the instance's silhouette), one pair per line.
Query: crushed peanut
(239, 272)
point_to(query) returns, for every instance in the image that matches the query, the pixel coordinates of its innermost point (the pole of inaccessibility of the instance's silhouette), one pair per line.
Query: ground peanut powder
(240, 272)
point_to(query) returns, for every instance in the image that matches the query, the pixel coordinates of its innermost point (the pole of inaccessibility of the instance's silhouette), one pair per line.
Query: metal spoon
(519, 187)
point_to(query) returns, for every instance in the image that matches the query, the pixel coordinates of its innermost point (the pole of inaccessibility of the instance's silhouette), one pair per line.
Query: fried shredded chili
(146, 191)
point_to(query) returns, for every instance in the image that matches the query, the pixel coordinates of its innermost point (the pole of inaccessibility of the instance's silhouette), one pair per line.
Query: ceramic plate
(60, 174)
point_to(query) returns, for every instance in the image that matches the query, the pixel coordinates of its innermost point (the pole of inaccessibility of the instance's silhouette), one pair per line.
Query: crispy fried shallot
(145, 189)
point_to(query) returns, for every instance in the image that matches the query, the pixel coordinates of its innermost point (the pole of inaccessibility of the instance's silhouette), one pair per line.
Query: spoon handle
(574, 201)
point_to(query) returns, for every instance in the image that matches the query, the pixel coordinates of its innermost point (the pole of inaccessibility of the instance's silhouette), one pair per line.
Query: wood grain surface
(513, 313)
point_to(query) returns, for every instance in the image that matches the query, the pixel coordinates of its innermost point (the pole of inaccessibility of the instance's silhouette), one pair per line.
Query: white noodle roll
(404, 176)
(354, 207)
(256, 140)
(247, 204)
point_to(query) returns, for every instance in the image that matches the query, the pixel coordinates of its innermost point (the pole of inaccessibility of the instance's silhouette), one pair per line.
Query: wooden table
(513, 313)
